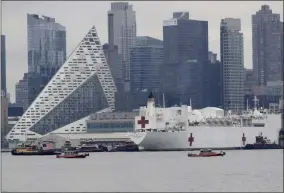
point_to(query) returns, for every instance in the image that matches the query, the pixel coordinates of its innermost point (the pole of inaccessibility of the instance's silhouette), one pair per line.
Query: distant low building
(111, 122)
(15, 111)
(250, 81)
(4, 116)
(22, 95)
(272, 88)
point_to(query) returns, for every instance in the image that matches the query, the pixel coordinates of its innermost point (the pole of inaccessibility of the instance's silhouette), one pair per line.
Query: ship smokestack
(150, 96)
(151, 104)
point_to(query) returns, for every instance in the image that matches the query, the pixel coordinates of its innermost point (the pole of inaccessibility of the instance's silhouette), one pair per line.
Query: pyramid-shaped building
(83, 85)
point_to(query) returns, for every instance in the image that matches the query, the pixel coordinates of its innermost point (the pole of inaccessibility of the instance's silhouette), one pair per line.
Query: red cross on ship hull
(190, 139)
(143, 122)
(244, 139)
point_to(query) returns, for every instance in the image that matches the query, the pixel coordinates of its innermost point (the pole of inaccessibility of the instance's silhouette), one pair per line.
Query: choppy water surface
(260, 170)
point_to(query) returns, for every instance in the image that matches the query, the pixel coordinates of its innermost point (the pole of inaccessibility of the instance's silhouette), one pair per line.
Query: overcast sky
(78, 17)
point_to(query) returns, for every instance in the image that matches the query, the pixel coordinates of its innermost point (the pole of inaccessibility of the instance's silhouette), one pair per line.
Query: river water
(257, 171)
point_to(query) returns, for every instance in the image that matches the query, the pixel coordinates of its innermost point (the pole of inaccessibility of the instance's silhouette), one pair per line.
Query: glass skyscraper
(46, 51)
(185, 57)
(3, 65)
(122, 32)
(146, 58)
(232, 59)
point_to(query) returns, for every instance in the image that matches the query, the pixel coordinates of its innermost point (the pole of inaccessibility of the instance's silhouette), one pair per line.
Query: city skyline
(14, 14)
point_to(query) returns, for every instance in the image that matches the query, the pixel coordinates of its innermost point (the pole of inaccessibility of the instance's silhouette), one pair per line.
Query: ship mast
(255, 103)
(164, 100)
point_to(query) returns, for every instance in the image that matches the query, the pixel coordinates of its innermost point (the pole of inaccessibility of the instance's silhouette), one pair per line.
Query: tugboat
(91, 146)
(262, 143)
(72, 154)
(206, 153)
(128, 146)
(281, 137)
(31, 149)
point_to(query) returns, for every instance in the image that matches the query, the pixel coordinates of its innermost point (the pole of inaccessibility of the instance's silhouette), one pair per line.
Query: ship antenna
(255, 102)
(158, 99)
(247, 105)
(163, 100)
(190, 102)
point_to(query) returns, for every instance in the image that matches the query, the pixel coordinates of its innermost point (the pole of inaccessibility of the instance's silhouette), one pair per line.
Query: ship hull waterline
(203, 137)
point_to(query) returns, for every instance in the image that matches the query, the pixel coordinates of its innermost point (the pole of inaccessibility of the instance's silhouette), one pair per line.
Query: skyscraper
(282, 51)
(114, 59)
(213, 74)
(122, 32)
(185, 56)
(46, 51)
(115, 65)
(4, 116)
(232, 59)
(83, 85)
(266, 43)
(22, 99)
(3, 66)
(146, 58)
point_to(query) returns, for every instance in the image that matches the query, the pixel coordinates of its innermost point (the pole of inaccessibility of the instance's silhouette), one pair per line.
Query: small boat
(206, 153)
(31, 149)
(127, 146)
(91, 146)
(72, 154)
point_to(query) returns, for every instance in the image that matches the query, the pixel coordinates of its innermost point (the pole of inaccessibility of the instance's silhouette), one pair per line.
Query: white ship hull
(207, 137)
(160, 140)
(228, 137)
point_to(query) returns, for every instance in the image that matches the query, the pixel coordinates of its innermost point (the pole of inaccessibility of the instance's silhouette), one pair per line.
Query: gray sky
(78, 17)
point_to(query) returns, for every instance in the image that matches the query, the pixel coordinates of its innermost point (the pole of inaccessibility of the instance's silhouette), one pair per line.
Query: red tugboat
(72, 154)
(206, 153)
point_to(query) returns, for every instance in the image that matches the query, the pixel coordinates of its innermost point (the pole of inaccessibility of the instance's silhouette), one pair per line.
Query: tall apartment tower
(114, 60)
(46, 51)
(122, 32)
(232, 59)
(3, 66)
(185, 58)
(266, 45)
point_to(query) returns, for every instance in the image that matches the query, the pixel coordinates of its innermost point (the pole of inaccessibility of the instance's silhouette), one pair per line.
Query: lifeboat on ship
(72, 154)
(207, 153)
